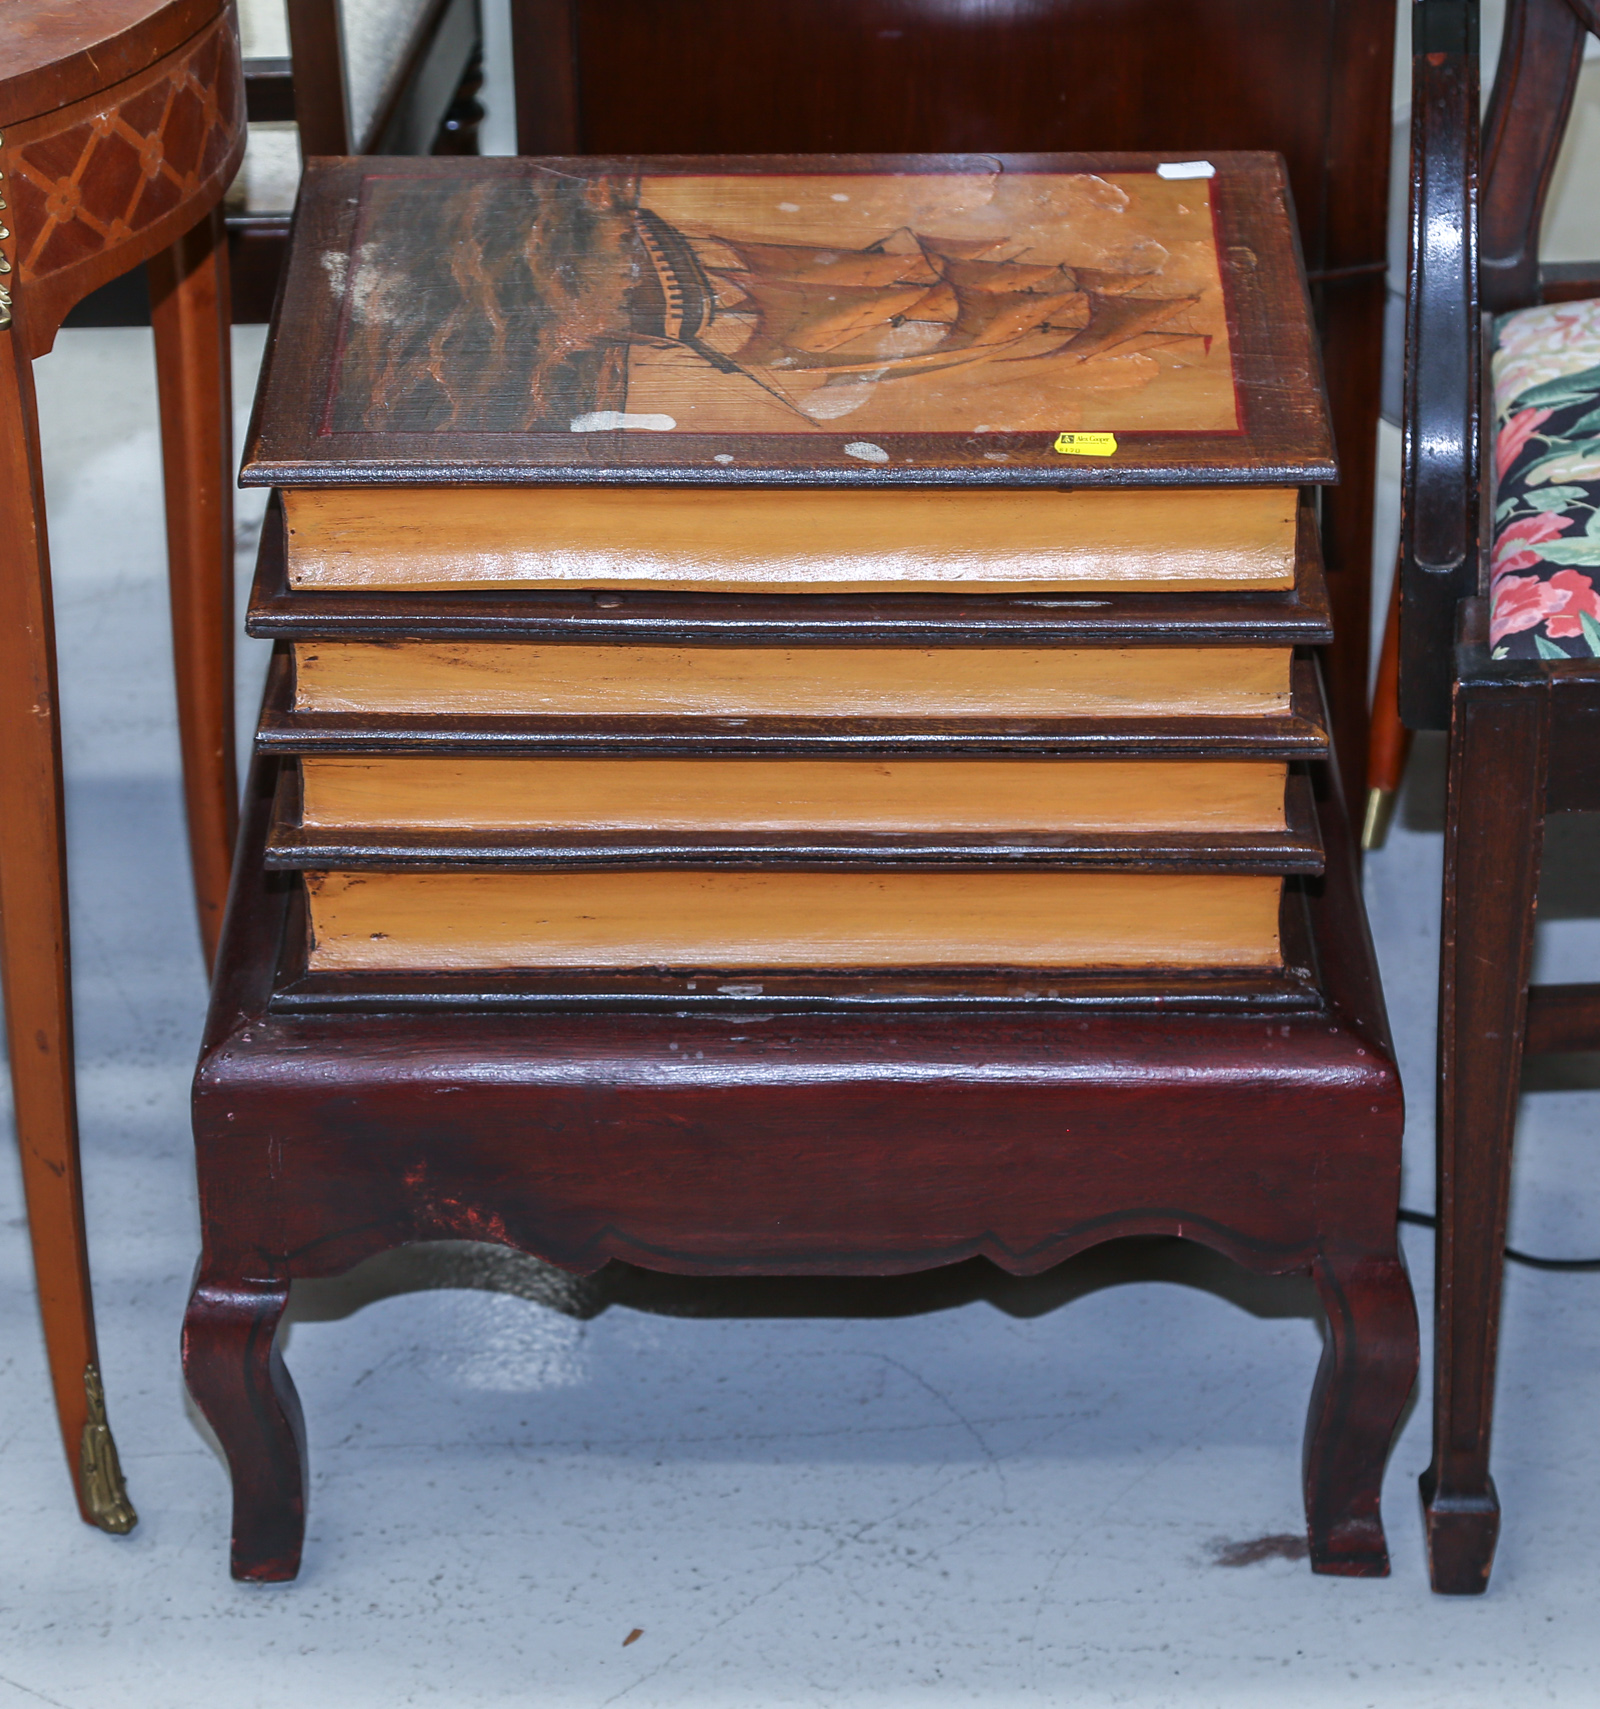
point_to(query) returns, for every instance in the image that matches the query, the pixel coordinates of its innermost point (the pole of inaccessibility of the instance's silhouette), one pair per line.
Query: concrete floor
(955, 1489)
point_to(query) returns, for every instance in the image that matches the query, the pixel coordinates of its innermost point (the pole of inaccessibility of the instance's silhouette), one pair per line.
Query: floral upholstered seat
(1546, 559)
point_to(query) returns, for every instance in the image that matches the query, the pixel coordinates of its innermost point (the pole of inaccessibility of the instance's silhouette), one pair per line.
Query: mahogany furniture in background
(1524, 731)
(122, 121)
(312, 85)
(423, 87)
(923, 76)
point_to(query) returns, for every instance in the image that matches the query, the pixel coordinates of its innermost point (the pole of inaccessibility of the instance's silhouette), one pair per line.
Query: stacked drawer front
(735, 786)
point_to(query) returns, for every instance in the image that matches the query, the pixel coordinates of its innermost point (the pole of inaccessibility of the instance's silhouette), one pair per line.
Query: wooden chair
(123, 121)
(867, 76)
(1499, 643)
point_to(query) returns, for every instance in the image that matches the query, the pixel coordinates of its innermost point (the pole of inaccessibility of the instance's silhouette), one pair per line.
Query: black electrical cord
(1422, 1219)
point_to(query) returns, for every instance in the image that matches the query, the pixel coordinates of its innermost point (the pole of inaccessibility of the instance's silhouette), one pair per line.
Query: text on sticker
(1087, 444)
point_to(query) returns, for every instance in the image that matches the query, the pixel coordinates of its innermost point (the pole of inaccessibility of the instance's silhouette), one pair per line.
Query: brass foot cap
(1375, 826)
(105, 1495)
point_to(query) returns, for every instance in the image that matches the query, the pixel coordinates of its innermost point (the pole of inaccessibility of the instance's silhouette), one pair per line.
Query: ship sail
(801, 320)
(806, 263)
(1115, 320)
(999, 302)
(836, 310)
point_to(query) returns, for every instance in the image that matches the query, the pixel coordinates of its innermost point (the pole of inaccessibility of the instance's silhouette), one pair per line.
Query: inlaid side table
(122, 124)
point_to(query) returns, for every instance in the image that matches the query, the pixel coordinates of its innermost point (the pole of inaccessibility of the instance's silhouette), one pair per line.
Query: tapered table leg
(33, 947)
(189, 312)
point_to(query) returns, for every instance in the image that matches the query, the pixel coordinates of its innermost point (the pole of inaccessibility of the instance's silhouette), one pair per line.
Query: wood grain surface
(797, 795)
(629, 825)
(798, 541)
(837, 1139)
(958, 302)
(485, 678)
(188, 315)
(790, 919)
(1300, 732)
(70, 50)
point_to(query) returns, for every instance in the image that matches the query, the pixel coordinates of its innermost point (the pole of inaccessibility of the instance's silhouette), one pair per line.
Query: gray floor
(958, 1490)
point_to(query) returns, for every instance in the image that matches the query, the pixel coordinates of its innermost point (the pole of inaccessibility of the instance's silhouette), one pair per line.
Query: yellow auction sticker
(1087, 444)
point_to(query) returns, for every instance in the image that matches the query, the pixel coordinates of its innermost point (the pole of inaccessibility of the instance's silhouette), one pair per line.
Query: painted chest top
(813, 320)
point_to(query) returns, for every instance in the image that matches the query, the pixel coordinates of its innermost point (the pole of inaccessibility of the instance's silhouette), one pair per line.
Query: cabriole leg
(1368, 1368)
(240, 1382)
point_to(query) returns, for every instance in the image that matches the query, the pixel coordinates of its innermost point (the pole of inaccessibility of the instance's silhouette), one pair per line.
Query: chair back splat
(1527, 117)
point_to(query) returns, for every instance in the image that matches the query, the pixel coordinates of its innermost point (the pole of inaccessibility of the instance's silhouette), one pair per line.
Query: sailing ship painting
(752, 303)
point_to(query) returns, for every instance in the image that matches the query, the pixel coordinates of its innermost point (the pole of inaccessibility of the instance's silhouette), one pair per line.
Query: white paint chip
(788, 207)
(723, 457)
(602, 420)
(836, 197)
(866, 451)
(1186, 169)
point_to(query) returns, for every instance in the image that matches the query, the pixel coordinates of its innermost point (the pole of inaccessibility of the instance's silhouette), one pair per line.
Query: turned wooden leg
(1494, 828)
(189, 312)
(240, 1382)
(33, 951)
(1368, 1368)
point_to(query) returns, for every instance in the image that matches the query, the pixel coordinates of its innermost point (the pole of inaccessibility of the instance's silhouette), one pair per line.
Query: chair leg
(189, 312)
(1493, 835)
(33, 951)
(1368, 1369)
(239, 1381)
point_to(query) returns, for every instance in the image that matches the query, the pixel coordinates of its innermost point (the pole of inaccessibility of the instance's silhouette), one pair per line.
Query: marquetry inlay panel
(93, 185)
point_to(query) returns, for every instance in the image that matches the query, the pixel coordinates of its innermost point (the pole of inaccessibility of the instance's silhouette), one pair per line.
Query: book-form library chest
(794, 695)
